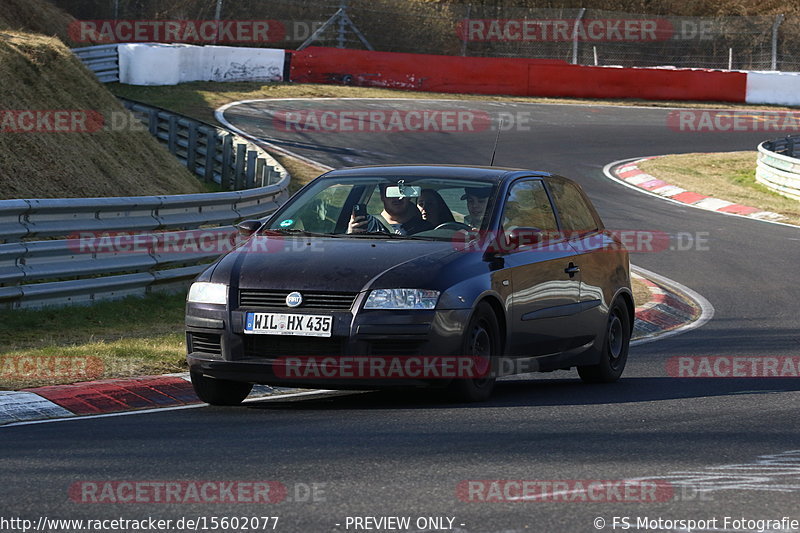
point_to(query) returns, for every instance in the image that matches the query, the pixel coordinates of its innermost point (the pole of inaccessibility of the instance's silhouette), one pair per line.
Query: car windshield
(390, 207)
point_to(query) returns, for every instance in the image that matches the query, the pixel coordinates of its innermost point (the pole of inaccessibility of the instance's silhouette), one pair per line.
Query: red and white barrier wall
(169, 64)
(514, 76)
(163, 64)
(782, 88)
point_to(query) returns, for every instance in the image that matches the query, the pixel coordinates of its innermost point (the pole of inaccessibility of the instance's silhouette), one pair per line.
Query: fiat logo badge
(294, 299)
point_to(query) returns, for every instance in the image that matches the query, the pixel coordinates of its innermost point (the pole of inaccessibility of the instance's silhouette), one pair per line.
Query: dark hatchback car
(394, 276)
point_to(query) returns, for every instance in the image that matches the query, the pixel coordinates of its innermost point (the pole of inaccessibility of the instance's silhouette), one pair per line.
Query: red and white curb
(630, 174)
(665, 311)
(104, 397)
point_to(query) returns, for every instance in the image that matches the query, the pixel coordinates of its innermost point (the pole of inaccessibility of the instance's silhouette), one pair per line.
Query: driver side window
(528, 206)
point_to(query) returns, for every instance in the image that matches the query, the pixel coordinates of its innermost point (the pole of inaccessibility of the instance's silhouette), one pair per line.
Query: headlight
(402, 299)
(208, 293)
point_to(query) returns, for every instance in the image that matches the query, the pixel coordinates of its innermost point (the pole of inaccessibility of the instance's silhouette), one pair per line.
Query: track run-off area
(715, 447)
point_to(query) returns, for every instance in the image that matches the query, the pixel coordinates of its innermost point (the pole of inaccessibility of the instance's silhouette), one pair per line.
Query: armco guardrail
(104, 248)
(210, 152)
(103, 60)
(117, 246)
(778, 167)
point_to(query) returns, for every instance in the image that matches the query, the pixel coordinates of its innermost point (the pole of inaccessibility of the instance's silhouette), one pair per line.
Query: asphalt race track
(726, 447)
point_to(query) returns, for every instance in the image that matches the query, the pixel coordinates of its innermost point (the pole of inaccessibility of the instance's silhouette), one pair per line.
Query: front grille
(208, 343)
(288, 345)
(259, 298)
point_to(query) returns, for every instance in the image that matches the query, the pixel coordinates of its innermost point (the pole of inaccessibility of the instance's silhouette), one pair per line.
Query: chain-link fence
(581, 36)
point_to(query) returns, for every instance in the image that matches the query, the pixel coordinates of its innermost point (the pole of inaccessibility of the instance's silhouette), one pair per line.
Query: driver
(477, 198)
(400, 213)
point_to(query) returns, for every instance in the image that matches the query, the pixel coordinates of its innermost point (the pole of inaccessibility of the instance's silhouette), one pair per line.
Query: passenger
(477, 198)
(433, 208)
(400, 213)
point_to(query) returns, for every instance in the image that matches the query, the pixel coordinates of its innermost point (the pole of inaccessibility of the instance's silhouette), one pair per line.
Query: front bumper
(218, 347)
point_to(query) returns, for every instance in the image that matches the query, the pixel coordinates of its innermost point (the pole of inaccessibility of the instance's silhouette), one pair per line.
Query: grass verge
(729, 176)
(201, 99)
(130, 337)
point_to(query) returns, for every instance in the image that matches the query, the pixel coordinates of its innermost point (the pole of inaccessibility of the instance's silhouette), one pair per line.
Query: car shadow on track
(545, 392)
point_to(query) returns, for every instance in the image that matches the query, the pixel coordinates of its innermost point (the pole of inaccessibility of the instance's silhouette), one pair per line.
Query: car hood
(332, 264)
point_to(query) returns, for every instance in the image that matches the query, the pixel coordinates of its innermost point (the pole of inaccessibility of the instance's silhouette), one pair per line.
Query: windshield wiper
(393, 236)
(375, 234)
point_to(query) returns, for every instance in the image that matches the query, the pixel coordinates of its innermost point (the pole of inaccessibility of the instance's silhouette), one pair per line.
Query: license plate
(286, 324)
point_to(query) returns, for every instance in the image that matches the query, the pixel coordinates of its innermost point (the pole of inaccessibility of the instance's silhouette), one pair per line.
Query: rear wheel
(615, 348)
(219, 391)
(481, 342)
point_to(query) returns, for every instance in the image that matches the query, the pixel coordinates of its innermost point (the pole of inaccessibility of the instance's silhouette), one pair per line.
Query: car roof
(492, 174)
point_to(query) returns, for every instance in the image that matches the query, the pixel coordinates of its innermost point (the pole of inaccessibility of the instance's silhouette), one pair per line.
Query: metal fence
(778, 166)
(212, 153)
(577, 35)
(103, 60)
(61, 251)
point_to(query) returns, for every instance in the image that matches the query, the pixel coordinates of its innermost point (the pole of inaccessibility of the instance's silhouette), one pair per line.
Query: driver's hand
(357, 224)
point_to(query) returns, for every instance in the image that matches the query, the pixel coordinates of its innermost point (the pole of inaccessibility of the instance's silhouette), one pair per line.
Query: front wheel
(482, 343)
(219, 391)
(615, 348)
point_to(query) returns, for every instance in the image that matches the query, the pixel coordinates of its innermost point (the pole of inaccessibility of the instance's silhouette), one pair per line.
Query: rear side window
(528, 206)
(575, 213)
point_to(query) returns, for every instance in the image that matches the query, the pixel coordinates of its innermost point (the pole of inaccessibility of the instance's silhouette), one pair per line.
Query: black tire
(481, 339)
(614, 353)
(219, 391)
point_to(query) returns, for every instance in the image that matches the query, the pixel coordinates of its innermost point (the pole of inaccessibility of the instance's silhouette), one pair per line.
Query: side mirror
(246, 228)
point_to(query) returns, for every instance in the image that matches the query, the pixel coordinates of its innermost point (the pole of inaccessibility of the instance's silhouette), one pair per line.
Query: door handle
(572, 269)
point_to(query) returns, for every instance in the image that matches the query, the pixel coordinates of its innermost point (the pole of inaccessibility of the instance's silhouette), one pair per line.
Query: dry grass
(301, 172)
(131, 337)
(641, 294)
(40, 73)
(37, 16)
(201, 99)
(729, 176)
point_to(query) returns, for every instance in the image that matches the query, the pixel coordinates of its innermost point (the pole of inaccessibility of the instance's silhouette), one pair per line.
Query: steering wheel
(453, 225)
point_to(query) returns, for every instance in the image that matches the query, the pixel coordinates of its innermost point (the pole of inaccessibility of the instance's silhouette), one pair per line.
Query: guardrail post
(172, 141)
(227, 155)
(241, 160)
(191, 150)
(259, 175)
(790, 146)
(211, 155)
(251, 170)
(152, 121)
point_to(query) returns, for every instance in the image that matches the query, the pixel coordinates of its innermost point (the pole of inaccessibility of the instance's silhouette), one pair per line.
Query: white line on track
(612, 177)
(313, 394)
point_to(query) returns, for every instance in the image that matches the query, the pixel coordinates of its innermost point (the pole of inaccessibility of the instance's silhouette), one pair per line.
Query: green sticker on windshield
(286, 223)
